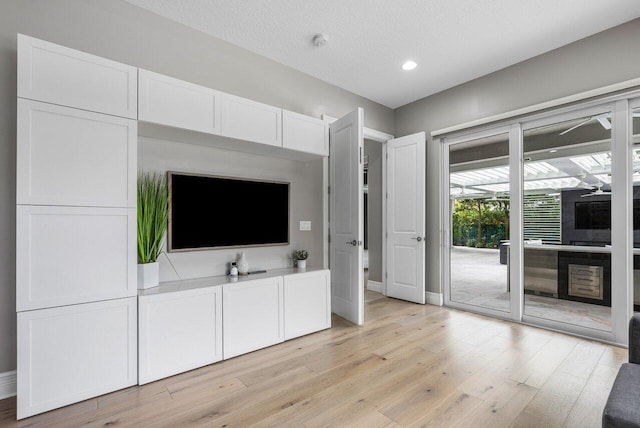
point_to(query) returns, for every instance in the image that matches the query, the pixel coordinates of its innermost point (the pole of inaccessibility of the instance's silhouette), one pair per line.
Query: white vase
(148, 275)
(243, 265)
(302, 264)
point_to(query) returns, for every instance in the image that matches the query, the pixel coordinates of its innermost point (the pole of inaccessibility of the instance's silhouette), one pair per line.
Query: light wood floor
(409, 365)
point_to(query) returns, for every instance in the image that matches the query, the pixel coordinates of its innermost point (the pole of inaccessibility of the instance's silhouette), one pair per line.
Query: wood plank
(409, 365)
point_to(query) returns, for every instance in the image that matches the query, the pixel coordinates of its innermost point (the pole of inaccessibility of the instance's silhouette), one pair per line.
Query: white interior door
(406, 217)
(346, 216)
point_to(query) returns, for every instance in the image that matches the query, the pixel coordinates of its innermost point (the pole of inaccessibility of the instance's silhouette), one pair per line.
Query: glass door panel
(479, 223)
(636, 208)
(567, 222)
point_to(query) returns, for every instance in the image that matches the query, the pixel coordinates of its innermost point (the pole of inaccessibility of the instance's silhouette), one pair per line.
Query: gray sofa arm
(634, 339)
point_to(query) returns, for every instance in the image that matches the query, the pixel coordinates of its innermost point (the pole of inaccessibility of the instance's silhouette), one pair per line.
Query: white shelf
(212, 281)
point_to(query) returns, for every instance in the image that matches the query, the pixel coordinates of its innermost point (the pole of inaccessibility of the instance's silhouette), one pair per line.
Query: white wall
(603, 59)
(117, 30)
(305, 198)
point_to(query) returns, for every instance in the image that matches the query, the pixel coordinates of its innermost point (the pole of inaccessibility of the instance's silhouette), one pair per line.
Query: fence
(492, 234)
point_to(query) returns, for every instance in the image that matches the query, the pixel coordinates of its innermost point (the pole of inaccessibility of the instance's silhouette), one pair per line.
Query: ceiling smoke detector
(320, 39)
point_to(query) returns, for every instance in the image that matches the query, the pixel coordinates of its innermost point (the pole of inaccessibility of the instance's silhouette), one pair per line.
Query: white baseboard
(374, 286)
(7, 384)
(434, 298)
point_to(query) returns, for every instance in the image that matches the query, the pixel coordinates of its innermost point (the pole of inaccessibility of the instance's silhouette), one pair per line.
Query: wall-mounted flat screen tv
(593, 215)
(211, 212)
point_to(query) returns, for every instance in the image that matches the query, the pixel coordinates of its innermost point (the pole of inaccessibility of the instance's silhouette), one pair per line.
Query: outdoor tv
(593, 215)
(211, 212)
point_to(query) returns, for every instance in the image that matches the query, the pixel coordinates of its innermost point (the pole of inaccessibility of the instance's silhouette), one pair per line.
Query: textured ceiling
(453, 41)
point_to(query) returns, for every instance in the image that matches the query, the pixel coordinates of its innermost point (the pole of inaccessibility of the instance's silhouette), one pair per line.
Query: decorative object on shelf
(301, 256)
(234, 269)
(152, 224)
(243, 265)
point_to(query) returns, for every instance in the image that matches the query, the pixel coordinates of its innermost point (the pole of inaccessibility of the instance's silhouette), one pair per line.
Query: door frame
(380, 137)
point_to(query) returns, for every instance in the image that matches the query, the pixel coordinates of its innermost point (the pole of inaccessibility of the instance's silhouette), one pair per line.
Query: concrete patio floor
(478, 279)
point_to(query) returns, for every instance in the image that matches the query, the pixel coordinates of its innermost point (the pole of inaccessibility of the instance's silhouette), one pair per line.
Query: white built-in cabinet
(253, 315)
(304, 133)
(56, 74)
(179, 331)
(70, 353)
(249, 120)
(78, 324)
(75, 226)
(74, 157)
(173, 102)
(69, 255)
(192, 323)
(307, 303)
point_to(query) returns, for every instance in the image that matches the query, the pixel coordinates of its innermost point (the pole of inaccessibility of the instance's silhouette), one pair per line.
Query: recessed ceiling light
(409, 65)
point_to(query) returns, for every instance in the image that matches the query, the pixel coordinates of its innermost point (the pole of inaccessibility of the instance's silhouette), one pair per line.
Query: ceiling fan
(583, 184)
(597, 192)
(603, 118)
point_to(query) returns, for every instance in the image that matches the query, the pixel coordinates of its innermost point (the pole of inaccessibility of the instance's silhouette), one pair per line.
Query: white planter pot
(148, 275)
(302, 264)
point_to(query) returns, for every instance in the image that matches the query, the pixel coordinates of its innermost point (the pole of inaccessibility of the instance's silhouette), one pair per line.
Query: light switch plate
(305, 225)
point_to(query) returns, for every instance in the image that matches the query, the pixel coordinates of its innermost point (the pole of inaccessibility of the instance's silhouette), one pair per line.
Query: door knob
(419, 238)
(354, 242)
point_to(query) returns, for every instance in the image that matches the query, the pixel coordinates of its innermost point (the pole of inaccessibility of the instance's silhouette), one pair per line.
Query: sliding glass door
(541, 219)
(478, 208)
(567, 221)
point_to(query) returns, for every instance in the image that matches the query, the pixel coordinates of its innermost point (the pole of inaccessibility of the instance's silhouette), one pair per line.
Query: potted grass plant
(301, 256)
(153, 207)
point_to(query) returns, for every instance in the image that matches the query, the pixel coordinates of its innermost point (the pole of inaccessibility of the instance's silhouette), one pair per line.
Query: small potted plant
(301, 256)
(153, 208)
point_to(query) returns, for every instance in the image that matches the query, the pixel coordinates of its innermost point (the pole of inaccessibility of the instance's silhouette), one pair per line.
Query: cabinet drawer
(585, 280)
(173, 102)
(59, 75)
(69, 255)
(585, 271)
(73, 353)
(179, 332)
(304, 133)
(67, 156)
(307, 303)
(582, 290)
(252, 121)
(252, 315)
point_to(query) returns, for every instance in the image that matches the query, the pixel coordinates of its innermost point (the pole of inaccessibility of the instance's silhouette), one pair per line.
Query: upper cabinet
(74, 157)
(59, 75)
(173, 102)
(304, 133)
(250, 120)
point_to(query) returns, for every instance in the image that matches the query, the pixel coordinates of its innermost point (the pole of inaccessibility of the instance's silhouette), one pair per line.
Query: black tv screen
(209, 212)
(593, 215)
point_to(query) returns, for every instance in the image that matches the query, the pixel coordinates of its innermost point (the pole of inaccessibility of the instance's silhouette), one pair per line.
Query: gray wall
(373, 149)
(603, 59)
(305, 180)
(122, 32)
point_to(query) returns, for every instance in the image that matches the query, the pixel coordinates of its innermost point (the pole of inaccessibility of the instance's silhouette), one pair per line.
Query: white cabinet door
(307, 303)
(59, 75)
(173, 102)
(252, 121)
(68, 255)
(72, 353)
(67, 156)
(179, 332)
(252, 315)
(304, 134)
